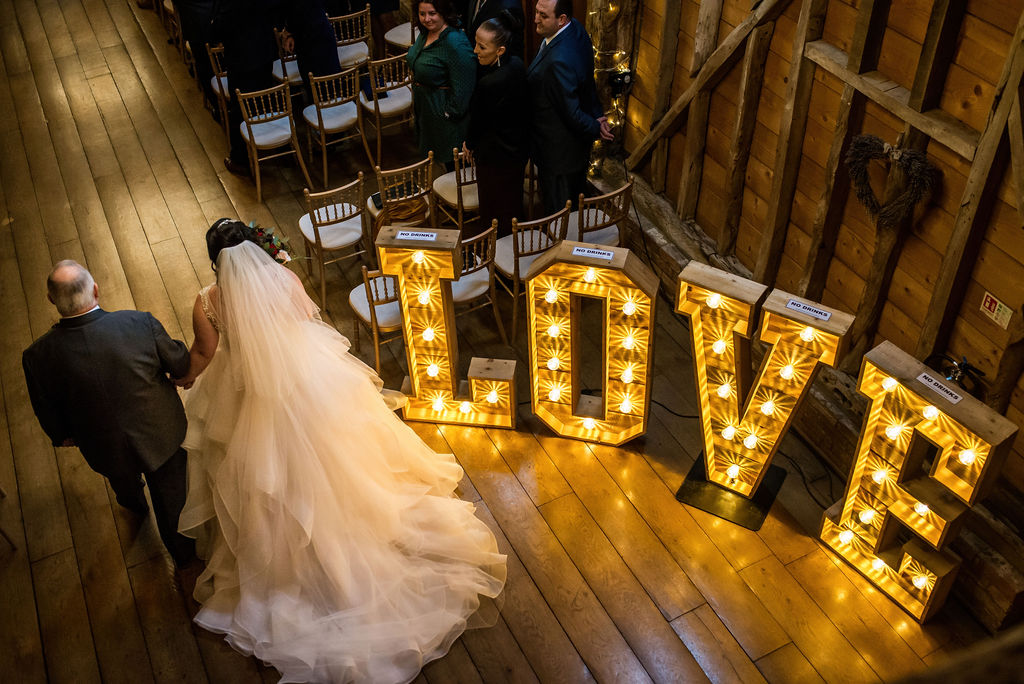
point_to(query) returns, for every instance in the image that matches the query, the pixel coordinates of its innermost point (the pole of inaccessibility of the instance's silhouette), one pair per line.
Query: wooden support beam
(1016, 126)
(790, 142)
(894, 98)
(751, 79)
(1011, 365)
(708, 18)
(663, 91)
(711, 73)
(936, 53)
(967, 229)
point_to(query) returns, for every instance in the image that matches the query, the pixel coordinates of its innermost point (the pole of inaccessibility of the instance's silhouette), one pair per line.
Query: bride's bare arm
(204, 346)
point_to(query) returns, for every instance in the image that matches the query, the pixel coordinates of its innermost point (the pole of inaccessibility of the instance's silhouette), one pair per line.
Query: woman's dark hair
(224, 233)
(442, 7)
(502, 27)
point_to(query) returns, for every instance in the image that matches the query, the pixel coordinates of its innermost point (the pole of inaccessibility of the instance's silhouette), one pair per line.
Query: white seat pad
(398, 101)
(375, 212)
(220, 86)
(388, 315)
(350, 55)
(446, 188)
(608, 236)
(400, 35)
(293, 71)
(338, 117)
(334, 235)
(269, 134)
(505, 258)
(469, 287)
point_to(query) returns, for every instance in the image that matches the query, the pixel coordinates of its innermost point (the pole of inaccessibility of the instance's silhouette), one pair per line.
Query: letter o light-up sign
(557, 281)
(424, 263)
(915, 414)
(740, 439)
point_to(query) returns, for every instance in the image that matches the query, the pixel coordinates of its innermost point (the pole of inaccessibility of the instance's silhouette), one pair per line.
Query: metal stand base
(750, 513)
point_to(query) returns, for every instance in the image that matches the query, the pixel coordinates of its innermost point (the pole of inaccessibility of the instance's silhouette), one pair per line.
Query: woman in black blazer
(498, 136)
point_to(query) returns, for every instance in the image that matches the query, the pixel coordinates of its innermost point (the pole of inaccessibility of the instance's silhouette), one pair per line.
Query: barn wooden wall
(724, 170)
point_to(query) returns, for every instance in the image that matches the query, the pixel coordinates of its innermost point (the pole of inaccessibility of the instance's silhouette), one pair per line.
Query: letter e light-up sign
(741, 437)
(425, 262)
(557, 282)
(915, 416)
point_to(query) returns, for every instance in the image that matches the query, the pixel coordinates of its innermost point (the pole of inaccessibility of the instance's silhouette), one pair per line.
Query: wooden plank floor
(107, 156)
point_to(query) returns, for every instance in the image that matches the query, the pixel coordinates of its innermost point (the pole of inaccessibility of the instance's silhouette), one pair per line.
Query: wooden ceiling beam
(663, 90)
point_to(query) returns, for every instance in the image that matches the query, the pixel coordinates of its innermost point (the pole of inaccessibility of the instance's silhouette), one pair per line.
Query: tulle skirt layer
(336, 549)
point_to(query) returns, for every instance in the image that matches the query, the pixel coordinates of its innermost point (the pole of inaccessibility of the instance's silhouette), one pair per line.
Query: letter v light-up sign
(915, 416)
(742, 429)
(425, 262)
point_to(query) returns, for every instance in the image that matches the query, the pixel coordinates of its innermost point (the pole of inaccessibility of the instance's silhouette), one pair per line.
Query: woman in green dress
(444, 73)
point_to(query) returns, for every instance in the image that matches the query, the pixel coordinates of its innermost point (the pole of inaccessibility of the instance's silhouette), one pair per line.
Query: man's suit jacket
(491, 9)
(101, 380)
(564, 100)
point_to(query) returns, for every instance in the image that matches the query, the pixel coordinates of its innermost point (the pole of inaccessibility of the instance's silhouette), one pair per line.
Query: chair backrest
(216, 55)
(379, 290)
(334, 89)
(353, 28)
(262, 106)
(284, 54)
(405, 186)
(390, 73)
(336, 205)
(604, 210)
(478, 251)
(465, 168)
(534, 237)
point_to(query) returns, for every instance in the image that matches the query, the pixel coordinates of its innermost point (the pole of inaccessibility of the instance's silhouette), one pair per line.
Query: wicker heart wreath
(920, 177)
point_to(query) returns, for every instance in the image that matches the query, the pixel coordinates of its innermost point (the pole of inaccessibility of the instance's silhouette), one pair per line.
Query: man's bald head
(71, 288)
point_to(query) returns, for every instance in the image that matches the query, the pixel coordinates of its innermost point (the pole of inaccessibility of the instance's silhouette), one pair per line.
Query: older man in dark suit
(99, 380)
(567, 116)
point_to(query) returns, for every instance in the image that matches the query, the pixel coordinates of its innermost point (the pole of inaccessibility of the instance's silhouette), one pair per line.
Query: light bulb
(967, 457)
(551, 296)
(553, 330)
(930, 413)
(628, 342)
(920, 581)
(921, 508)
(492, 397)
(768, 407)
(719, 347)
(428, 334)
(439, 404)
(807, 334)
(590, 275)
(750, 441)
(724, 390)
(627, 375)
(424, 297)
(732, 472)
(629, 308)
(555, 393)
(728, 432)
(880, 475)
(786, 372)
(893, 432)
(417, 256)
(626, 406)
(845, 537)
(433, 370)
(589, 423)
(866, 516)
(889, 384)
(714, 300)
(878, 564)
(465, 407)
(554, 363)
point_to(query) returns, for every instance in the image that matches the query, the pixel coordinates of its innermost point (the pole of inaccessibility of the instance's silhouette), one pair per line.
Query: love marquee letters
(425, 262)
(926, 454)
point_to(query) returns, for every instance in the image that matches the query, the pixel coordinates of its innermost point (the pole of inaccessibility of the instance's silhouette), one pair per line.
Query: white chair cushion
(398, 101)
(447, 189)
(375, 212)
(220, 86)
(388, 315)
(293, 71)
(335, 235)
(270, 134)
(350, 55)
(607, 236)
(339, 117)
(400, 35)
(505, 258)
(468, 288)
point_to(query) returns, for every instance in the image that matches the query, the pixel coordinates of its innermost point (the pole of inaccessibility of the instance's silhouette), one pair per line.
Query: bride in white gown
(336, 549)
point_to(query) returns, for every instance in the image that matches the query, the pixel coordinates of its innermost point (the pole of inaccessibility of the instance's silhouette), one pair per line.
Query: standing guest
(444, 73)
(498, 137)
(567, 116)
(195, 16)
(98, 380)
(480, 11)
(310, 35)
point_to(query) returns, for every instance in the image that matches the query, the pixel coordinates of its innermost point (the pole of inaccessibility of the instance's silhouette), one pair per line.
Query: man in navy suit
(567, 116)
(98, 380)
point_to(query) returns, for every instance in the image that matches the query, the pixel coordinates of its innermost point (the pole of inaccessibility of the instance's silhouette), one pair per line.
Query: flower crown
(273, 245)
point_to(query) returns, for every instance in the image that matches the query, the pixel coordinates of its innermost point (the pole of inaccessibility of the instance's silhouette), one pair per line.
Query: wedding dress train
(336, 549)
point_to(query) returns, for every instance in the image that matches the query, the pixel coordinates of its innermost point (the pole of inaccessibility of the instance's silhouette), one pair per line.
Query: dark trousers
(500, 187)
(247, 82)
(557, 189)
(167, 489)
